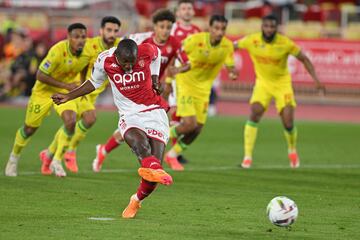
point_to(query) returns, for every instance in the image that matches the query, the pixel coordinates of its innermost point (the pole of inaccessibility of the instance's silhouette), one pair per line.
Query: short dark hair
(271, 17)
(217, 18)
(163, 14)
(110, 19)
(185, 1)
(73, 26)
(126, 48)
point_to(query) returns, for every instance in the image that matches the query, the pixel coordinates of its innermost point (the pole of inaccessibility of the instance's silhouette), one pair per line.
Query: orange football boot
(46, 161)
(173, 163)
(70, 161)
(155, 175)
(131, 210)
(294, 159)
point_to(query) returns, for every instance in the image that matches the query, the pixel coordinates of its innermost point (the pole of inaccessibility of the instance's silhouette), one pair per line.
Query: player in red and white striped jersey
(170, 50)
(184, 26)
(133, 72)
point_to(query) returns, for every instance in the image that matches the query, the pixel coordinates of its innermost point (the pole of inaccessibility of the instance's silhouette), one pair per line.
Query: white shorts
(172, 96)
(154, 123)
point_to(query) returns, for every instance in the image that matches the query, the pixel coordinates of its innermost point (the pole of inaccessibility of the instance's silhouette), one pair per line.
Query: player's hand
(157, 87)
(233, 74)
(71, 86)
(59, 98)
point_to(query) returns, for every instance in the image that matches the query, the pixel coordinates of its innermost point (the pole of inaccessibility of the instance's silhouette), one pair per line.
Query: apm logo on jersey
(127, 80)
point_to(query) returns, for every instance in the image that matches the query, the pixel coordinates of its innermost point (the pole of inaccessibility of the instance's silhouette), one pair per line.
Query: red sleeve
(149, 49)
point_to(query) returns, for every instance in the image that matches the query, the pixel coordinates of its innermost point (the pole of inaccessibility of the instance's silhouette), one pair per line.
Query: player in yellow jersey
(109, 31)
(56, 73)
(269, 52)
(207, 53)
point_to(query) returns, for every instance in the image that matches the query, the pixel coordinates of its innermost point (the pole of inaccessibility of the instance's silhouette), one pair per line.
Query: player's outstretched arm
(311, 70)
(85, 88)
(42, 77)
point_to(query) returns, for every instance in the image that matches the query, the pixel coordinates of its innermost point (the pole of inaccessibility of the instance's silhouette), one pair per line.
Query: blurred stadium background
(328, 31)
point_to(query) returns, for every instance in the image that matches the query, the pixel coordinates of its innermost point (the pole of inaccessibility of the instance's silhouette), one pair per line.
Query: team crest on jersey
(69, 61)
(47, 64)
(141, 63)
(168, 49)
(180, 33)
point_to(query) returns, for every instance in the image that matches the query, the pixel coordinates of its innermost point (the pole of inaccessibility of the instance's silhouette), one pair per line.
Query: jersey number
(35, 108)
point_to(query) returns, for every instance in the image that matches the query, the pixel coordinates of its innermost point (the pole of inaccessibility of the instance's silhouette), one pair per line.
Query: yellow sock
(291, 138)
(53, 145)
(21, 140)
(80, 133)
(250, 133)
(178, 148)
(62, 143)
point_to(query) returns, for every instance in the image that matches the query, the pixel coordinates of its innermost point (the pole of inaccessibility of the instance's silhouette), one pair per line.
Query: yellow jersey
(61, 65)
(270, 59)
(206, 62)
(93, 47)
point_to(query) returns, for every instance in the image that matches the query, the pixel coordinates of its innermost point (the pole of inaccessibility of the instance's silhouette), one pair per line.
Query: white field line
(101, 218)
(225, 168)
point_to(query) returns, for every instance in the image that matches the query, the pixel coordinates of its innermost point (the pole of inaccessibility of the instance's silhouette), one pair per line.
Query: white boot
(11, 166)
(57, 168)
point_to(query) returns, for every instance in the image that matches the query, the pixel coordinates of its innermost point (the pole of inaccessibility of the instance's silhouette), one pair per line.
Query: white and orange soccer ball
(282, 211)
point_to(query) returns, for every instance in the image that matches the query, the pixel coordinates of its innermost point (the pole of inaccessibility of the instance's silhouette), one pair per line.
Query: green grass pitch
(212, 199)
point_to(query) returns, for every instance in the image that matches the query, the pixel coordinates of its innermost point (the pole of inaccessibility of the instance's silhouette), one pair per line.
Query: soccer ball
(282, 211)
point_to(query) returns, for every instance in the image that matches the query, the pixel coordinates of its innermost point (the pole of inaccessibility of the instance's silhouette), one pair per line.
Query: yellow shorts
(282, 93)
(39, 107)
(85, 103)
(191, 106)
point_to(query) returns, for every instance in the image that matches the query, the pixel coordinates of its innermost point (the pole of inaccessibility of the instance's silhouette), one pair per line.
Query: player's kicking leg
(103, 149)
(148, 151)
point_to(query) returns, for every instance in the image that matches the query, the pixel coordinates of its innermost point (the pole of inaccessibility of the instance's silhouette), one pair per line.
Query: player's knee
(191, 126)
(89, 119)
(198, 128)
(29, 131)
(255, 117)
(69, 119)
(257, 110)
(289, 126)
(70, 124)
